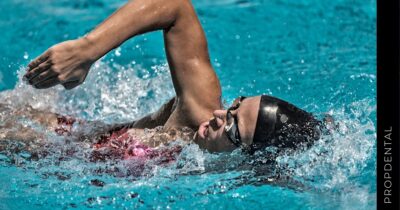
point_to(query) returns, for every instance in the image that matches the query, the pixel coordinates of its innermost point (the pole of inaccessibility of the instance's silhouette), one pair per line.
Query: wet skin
(197, 88)
(211, 134)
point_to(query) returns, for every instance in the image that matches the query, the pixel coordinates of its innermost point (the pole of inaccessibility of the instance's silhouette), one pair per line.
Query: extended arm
(196, 85)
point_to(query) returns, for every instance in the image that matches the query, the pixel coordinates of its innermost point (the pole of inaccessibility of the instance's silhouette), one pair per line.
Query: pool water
(319, 55)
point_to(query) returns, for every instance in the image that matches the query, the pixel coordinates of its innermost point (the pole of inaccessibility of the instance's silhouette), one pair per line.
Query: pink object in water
(119, 144)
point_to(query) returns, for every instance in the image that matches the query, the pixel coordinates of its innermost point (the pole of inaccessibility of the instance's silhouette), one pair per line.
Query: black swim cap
(283, 125)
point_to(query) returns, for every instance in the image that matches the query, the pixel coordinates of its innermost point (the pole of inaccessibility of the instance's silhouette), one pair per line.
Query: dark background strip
(388, 58)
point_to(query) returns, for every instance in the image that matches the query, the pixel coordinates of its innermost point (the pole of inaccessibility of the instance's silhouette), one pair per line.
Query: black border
(388, 74)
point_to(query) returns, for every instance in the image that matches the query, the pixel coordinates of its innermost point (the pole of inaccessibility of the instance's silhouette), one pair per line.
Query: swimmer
(251, 123)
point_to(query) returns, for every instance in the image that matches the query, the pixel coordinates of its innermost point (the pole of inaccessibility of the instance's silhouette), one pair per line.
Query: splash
(337, 163)
(111, 93)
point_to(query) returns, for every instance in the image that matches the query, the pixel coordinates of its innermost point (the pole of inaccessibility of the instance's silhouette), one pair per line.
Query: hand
(66, 63)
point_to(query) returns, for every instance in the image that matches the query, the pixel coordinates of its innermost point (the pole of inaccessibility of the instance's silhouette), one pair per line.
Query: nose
(220, 116)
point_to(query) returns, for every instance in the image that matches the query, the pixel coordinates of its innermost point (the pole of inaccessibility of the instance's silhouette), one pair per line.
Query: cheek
(220, 143)
(215, 135)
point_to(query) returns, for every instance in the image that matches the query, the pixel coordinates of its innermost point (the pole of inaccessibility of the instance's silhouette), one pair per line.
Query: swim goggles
(231, 127)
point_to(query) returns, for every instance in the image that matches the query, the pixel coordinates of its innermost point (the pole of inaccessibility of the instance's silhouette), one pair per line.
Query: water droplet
(118, 52)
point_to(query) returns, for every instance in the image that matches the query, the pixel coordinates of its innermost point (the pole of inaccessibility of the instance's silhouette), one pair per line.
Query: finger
(50, 82)
(71, 84)
(42, 77)
(38, 60)
(36, 71)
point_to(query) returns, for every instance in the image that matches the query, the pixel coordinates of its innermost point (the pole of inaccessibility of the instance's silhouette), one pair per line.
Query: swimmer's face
(211, 134)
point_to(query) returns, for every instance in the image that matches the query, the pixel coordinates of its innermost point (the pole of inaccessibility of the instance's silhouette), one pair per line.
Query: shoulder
(191, 112)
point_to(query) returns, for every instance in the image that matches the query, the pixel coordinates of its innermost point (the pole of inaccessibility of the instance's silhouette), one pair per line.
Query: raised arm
(196, 85)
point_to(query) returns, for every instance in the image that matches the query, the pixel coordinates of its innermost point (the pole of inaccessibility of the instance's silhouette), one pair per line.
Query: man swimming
(251, 123)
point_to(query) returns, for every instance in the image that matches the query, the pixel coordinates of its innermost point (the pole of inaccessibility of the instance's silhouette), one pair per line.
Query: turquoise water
(319, 55)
